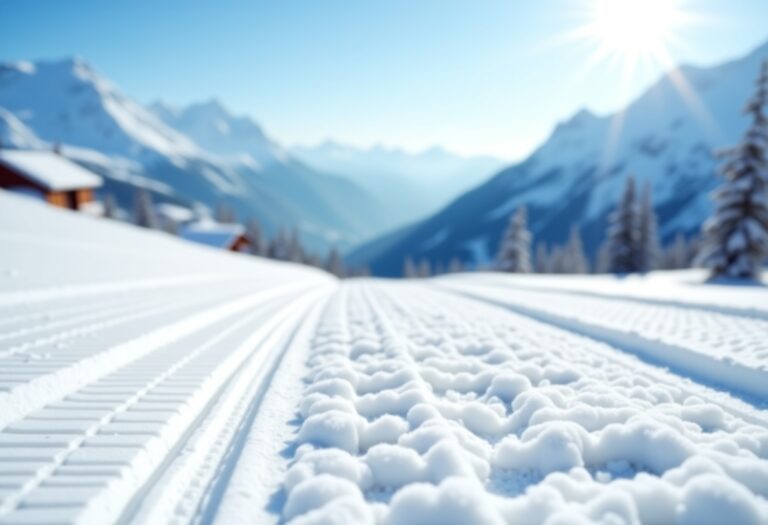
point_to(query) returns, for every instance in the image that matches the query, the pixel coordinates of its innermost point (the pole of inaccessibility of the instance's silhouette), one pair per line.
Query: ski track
(225, 399)
(721, 349)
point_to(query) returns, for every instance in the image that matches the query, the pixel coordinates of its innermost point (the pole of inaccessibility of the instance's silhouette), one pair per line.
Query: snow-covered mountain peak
(68, 101)
(666, 138)
(213, 127)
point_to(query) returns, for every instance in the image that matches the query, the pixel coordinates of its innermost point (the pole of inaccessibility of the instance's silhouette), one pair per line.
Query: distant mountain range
(199, 156)
(667, 137)
(410, 186)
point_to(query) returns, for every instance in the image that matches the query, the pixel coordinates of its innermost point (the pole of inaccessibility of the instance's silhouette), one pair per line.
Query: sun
(633, 29)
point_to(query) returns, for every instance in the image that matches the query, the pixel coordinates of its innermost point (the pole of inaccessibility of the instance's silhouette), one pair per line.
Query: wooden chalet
(217, 235)
(48, 175)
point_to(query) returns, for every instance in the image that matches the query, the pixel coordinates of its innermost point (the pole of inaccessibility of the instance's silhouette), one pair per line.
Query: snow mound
(422, 407)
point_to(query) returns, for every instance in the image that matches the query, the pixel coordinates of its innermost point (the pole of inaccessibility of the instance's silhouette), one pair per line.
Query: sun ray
(631, 36)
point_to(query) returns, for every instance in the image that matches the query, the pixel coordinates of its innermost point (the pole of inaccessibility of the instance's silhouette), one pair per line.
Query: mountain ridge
(410, 184)
(575, 176)
(67, 101)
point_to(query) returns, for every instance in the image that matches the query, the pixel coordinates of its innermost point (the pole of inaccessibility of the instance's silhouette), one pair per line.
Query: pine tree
(256, 238)
(425, 269)
(515, 249)
(624, 233)
(278, 246)
(225, 214)
(736, 236)
(455, 265)
(143, 209)
(648, 248)
(677, 254)
(409, 268)
(111, 211)
(575, 261)
(541, 261)
(558, 262)
(295, 248)
(311, 259)
(334, 264)
(603, 259)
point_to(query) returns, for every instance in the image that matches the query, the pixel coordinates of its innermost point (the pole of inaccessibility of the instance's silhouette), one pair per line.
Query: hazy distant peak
(216, 129)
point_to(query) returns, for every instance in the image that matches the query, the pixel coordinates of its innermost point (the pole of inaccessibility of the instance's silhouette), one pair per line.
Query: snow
(578, 172)
(14, 134)
(212, 234)
(175, 213)
(50, 170)
(67, 98)
(495, 414)
(214, 128)
(145, 379)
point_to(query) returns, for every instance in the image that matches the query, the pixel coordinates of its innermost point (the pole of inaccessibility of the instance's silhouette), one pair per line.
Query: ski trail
(706, 355)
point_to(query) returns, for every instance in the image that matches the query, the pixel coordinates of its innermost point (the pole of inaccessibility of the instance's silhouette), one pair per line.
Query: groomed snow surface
(148, 380)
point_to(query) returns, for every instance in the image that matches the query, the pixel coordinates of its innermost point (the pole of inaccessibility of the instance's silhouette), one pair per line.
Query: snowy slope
(664, 137)
(411, 185)
(67, 101)
(14, 134)
(148, 380)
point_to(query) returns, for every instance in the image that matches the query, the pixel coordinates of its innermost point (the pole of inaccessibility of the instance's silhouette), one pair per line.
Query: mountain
(666, 137)
(15, 134)
(410, 185)
(217, 130)
(68, 102)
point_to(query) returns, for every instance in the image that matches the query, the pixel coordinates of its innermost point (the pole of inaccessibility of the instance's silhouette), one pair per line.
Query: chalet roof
(213, 234)
(50, 170)
(174, 212)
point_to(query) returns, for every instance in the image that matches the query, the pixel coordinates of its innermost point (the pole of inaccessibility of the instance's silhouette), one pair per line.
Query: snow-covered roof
(50, 170)
(174, 212)
(212, 233)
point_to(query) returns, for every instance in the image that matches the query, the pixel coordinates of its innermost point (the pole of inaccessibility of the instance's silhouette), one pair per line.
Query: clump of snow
(428, 408)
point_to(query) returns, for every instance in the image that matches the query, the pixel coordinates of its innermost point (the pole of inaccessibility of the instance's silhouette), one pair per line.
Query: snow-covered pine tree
(256, 238)
(648, 243)
(278, 246)
(143, 209)
(736, 236)
(603, 259)
(677, 254)
(541, 260)
(225, 214)
(295, 248)
(425, 269)
(111, 210)
(624, 233)
(409, 268)
(575, 260)
(334, 264)
(455, 265)
(558, 260)
(515, 249)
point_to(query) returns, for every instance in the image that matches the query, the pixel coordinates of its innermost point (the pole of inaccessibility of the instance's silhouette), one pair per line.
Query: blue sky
(475, 76)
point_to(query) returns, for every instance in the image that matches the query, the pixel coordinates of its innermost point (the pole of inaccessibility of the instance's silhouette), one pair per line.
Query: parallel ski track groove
(622, 351)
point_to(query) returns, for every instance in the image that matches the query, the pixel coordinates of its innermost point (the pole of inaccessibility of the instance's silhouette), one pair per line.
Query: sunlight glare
(634, 28)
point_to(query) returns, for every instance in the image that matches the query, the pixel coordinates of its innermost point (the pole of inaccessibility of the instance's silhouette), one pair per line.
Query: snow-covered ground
(147, 380)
